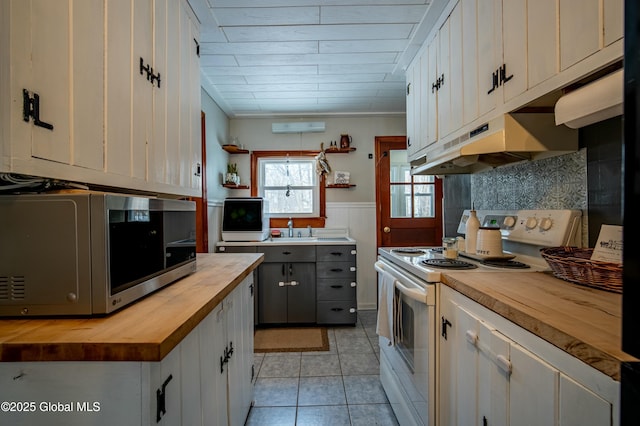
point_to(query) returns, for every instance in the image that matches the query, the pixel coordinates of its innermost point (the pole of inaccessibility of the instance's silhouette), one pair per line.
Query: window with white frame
(290, 185)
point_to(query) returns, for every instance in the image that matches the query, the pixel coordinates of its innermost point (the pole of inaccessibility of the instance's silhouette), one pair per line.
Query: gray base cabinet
(287, 293)
(336, 284)
(304, 284)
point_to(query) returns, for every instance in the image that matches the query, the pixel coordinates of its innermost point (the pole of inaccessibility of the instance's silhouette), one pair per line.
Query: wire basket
(575, 265)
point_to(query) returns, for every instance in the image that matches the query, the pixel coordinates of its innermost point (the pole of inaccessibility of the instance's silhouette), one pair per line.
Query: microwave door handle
(412, 293)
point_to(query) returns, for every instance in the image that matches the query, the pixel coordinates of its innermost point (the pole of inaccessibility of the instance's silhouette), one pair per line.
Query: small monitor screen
(242, 215)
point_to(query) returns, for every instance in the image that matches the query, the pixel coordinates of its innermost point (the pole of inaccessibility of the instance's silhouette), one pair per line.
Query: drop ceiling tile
(318, 32)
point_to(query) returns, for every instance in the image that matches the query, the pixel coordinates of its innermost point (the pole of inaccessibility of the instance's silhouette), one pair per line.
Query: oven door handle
(417, 294)
(412, 293)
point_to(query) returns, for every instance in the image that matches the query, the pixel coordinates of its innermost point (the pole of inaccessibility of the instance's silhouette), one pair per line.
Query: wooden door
(409, 208)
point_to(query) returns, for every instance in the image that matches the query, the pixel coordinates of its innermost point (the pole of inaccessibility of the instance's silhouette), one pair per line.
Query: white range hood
(506, 139)
(594, 102)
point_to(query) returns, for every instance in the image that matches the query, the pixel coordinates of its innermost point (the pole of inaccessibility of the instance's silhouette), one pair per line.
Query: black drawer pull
(336, 286)
(337, 309)
(286, 252)
(336, 253)
(336, 270)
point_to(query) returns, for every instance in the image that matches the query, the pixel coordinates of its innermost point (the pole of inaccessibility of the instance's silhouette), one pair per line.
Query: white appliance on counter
(408, 309)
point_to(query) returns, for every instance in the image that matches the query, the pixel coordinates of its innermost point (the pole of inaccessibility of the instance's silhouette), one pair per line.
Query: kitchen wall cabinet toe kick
(304, 284)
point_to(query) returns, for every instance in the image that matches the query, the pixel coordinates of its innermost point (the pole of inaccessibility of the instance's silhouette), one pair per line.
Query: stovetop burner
(506, 264)
(408, 250)
(448, 264)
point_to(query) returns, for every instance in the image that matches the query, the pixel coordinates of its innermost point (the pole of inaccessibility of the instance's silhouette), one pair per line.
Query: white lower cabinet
(202, 381)
(493, 372)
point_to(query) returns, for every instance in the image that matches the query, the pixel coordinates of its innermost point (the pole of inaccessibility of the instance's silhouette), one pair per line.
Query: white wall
(353, 209)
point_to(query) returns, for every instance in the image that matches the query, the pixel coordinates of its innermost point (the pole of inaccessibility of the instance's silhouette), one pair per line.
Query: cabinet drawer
(336, 289)
(336, 270)
(297, 253)
(236, 249)
(339, 312)
(336, 253)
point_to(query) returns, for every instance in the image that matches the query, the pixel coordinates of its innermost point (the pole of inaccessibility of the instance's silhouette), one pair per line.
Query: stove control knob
(545, 224)
(531, 222)
(509, 221)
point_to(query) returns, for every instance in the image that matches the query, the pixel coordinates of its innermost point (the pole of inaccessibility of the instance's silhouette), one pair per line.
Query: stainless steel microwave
(90, 253)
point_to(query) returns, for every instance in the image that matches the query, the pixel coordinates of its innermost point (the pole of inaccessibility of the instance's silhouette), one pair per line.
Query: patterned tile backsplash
(552, 183)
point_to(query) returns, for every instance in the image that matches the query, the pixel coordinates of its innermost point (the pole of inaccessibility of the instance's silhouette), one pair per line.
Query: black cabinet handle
(336, 286)
(161, 407)
(445, 323)
(31, 109)
(336, 270)
(337, 309)
(286, 252)
(336, 253)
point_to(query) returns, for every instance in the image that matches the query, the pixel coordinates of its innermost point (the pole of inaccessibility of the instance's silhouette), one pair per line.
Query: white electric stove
(524, 233)
(407, 308)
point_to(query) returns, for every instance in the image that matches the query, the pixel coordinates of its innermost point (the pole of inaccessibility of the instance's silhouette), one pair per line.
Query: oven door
(407, 366)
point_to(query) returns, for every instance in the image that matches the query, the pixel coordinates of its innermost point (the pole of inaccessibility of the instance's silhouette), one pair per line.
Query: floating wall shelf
(233, 149)
(340, 185)
(234, 186)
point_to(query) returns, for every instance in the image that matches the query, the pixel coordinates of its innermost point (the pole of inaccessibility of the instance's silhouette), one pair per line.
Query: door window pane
(411, 196)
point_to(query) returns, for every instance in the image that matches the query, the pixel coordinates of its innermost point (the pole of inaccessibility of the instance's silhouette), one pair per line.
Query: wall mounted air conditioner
(298, 127)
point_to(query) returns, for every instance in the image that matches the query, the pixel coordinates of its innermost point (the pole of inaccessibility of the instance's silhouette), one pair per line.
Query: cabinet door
(514, 45)
(581, 407)
(533, 389)
(469, 61)
(213, 372)
(455, 79)
(49, 40)
(412, 142)
(166, 383)
(162, 59)
(542, 41)
(430, 76)
(190, 402)
(613, 21)
(579, 32)
(272, 294)
(444, 84)
(489, 54)
(239, 312)
(301, 298)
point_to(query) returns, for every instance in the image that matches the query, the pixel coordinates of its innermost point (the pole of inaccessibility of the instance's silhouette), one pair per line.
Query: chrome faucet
(310, 232)
(290, 225)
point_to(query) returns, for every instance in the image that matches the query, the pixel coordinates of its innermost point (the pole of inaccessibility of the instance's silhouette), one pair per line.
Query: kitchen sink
(304, 240)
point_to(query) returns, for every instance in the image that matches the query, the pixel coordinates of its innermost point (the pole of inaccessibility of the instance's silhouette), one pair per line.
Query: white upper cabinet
(487, 58)
(613, 21)
(580, 30)
(52, 113)
(104, 93)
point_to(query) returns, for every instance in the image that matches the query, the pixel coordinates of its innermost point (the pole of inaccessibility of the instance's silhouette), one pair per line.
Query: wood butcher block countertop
(144, 331)
(584, 322)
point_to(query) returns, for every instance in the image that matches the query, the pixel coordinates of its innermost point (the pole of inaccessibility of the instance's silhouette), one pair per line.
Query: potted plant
(232, 174)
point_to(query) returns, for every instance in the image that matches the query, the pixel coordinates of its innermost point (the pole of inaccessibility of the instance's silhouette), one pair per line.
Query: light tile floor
(333, 388)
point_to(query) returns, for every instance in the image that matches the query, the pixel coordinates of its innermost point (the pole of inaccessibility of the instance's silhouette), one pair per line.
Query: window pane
(423, 203)
(400, 202)
(399, 166)
(299, 201)
(285, 173)
(423, 178)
